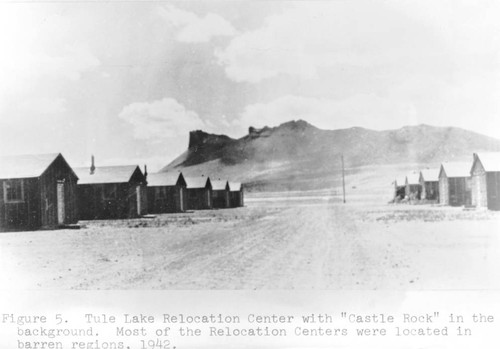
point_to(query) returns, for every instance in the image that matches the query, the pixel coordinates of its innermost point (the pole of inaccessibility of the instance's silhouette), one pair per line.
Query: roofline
(50, 164)
(137, 167)
(207, 182)
(474, 162)
(97, 167)
(12, 178)
(177, 182)
(421, 177)
(441, 169)
(104, 183)
(226, 186)
(67, 164)
(476, 159)
(412, 183)
(181, 176)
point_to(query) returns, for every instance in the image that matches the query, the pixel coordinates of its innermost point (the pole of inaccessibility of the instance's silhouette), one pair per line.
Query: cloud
(159, 120)
(37, 45)
(307, 39)
(364, 110)
(195, 29)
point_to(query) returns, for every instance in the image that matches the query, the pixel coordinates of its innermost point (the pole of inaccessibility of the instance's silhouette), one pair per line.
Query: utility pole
(343, 176)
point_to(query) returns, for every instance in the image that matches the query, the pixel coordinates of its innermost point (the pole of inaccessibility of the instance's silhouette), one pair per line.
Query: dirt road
(301, 243)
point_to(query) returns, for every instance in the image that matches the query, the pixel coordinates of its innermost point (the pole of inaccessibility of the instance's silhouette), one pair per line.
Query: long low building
(199, 193)
(429, 182)
(455, 184)
(413, 188)
(36, 192)
(486, 181)
(399, 188)
(111, 192)
(167, 192)
(236, 195)
(44, 192)
(220, 194)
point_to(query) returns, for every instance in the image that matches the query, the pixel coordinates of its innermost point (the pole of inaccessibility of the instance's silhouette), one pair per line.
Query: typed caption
(89, 330)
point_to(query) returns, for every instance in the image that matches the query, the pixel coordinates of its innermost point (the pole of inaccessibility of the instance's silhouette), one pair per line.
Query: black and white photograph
(255, 146)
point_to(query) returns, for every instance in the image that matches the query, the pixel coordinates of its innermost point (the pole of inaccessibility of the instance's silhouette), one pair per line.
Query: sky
(127, 80)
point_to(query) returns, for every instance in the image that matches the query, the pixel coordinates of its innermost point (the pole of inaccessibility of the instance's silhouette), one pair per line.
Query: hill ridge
(297, 148)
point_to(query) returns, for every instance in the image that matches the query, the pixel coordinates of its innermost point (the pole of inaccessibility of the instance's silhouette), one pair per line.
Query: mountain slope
(299, 154)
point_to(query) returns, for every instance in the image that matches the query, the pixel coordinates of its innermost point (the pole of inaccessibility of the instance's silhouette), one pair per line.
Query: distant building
(455, 184)
(429, 182)
(413, 189)
(236, 194)
(111, 192)
(486, 180)
(36, 192)
(220, 194)
(399, 188)
(166, 192)
(199, 193)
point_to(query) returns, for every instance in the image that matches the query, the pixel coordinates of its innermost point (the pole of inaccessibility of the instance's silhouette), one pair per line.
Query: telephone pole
(343, 176)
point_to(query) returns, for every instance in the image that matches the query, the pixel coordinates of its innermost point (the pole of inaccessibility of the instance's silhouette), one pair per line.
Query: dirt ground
(278, 241)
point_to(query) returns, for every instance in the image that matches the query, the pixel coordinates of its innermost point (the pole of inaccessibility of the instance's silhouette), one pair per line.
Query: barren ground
(279, 241)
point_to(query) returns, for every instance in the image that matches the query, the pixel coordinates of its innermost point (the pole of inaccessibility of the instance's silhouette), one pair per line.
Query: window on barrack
(13, 191)
(110, 191)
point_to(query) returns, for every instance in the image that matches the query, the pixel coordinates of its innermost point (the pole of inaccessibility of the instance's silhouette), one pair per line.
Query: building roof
(196, 182)
(219, 185)
(106, 174)
(412, 178)
(490, 161)
(165, 179)
(25, 166)
(456, 169)
(400, 181)
(430, 175)
(234, 186)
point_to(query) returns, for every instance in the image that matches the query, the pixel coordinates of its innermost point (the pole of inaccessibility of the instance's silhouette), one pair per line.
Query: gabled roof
(106, 174)
(455, 169)
(412, 178)
(197, 182)
(430, 175)
(400, 181)
(234, 186)
(25, 166)
(165, 179)
(220, 185)
(490, 161)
